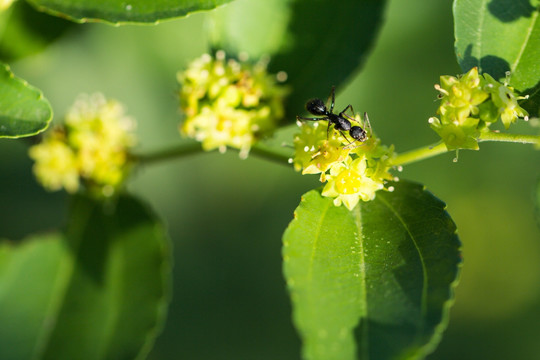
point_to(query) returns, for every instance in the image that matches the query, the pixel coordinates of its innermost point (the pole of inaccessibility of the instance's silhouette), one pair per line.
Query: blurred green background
(226, 216)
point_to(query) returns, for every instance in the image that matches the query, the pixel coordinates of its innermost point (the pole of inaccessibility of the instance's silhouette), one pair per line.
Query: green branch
(167, 154)
(496, 136)
(426, 152)
(422, 153)
(195, 148)
(271, 154)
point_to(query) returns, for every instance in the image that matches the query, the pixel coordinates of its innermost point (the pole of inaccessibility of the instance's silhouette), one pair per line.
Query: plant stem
(422, 153)
(426, 152)
(167, 154)
(193, 148)
(268, 154)
(496, 136)
(264, 152)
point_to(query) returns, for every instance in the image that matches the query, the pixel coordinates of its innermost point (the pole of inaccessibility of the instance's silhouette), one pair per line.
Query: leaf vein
(480, 32)
(525, 42)
(363, 284)
(423, 308)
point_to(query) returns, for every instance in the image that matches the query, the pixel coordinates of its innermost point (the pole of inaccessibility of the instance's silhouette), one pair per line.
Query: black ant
(341, 121)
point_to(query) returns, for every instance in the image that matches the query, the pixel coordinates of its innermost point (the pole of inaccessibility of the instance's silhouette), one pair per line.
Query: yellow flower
(314, 152)
(94, 119)
(229, 103)
(348, 182)
(221, 126)
(100, 132)
(352, 169)
(56, 164)
(4, 4)
(91, 147)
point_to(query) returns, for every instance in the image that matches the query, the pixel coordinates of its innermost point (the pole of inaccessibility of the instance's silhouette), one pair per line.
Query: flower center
(348, 182)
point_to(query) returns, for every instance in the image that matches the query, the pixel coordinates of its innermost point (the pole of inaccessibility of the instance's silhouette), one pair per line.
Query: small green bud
(457, 136)
(469, 104)
(505, 100)
(460, 97)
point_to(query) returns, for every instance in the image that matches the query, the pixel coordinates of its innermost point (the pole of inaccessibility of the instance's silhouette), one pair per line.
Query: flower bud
(469, 105)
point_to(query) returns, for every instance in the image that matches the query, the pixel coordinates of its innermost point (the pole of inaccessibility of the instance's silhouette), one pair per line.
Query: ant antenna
(359, 134)
(366, 120)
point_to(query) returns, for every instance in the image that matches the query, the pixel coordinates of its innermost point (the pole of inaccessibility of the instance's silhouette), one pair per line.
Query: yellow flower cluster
(229, 103)
(90, 148)
(352, 171)
(4, 4)
(469, 104)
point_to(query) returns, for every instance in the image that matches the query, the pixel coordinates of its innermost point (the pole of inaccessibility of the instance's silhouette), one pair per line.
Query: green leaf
(501, 36)
(121, 11)
(317, 43)
(23, 109)
(27, 31)
(98, 292)
(384, 272)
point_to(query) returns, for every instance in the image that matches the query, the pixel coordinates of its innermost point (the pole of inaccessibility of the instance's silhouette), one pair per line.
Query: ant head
(357, 133)
(316, 107)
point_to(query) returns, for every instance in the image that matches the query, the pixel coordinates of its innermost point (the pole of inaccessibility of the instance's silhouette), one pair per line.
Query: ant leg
(328, 131)
(311, 118)
(333, 97)
(317, 119)
(347, 116)
(350, 146)
(347, 108)
(345, 137)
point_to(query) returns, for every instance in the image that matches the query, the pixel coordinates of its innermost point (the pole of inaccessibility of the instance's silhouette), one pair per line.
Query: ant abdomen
(316, 107)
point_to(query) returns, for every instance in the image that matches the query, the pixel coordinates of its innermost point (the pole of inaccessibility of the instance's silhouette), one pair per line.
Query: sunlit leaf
(23, 109)
(98, 292)
(121, 11)
(372, 283)
(500, 36)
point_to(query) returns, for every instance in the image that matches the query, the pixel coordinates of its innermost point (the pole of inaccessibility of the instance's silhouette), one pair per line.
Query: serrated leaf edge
(41, 97)
(439, 329)
(84, 20)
